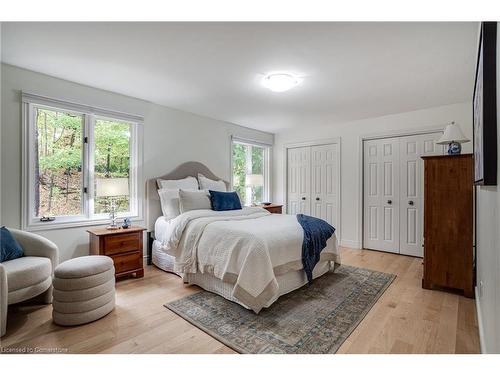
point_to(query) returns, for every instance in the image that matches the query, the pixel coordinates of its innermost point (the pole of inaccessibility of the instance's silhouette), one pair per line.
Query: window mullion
(133, 168)
(265, 170)
(90, 162)
(31, 113)
(248, 167)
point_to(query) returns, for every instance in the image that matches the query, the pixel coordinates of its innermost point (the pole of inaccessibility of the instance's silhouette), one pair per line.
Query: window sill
(53, 225)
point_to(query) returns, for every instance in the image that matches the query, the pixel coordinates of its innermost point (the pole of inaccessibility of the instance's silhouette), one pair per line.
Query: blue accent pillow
(224, 201)
(10, 248)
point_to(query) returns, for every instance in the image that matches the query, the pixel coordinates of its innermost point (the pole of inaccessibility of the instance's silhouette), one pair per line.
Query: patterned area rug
(314, 319)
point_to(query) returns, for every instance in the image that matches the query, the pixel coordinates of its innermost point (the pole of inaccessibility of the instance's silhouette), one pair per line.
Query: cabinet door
(324, 180)
(298, 180)
(381, 195)
(411, 150)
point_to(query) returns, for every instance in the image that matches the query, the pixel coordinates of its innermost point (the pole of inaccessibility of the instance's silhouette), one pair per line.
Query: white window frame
(267, 162)
(90, 114)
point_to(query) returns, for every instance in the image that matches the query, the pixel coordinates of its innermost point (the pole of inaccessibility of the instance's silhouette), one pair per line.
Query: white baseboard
(350, 243)
(480, 323)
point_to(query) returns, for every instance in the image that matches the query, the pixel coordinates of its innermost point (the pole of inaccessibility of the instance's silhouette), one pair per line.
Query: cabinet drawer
(121, 243)
(127, 262)
(274, 210)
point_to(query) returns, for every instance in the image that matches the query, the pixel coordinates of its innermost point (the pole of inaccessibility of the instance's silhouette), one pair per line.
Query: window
(58, 163)
(250, 171)
(111, 160)
(69, 151)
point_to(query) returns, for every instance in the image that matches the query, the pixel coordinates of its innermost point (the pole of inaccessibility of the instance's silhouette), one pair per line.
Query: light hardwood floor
(406, 319)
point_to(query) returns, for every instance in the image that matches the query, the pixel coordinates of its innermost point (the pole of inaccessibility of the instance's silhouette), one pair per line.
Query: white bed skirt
(287, 282)
(161, 259)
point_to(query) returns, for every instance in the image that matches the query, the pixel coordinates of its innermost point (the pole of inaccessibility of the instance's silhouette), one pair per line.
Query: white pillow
(188, 183)
(190, 200)
(208, 184)
(169, 199)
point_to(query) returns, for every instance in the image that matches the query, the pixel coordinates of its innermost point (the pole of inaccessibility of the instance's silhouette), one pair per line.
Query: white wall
(488, 250)
(171, 137)
(350, 134)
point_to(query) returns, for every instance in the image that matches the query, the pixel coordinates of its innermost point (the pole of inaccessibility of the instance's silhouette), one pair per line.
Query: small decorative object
(484, 107)
(253, 181)
(453, 137)
(112, 188)
(126, 223)
(47, 218)
(266, 203)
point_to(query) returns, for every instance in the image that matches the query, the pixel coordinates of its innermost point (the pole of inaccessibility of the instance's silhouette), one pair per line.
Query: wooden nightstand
(124, 246)
(273, 208)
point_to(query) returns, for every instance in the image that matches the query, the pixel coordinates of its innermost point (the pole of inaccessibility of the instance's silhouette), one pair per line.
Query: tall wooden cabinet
(448, 222)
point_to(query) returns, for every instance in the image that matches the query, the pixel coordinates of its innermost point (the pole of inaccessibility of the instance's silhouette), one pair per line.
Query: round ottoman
(83, 290)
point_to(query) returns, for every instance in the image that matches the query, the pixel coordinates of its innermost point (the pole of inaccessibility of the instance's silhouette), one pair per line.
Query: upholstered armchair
(29, 276)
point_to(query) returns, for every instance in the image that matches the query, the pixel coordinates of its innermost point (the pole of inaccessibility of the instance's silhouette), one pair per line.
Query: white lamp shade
(452, 133)
(111, 187)
(254, 180)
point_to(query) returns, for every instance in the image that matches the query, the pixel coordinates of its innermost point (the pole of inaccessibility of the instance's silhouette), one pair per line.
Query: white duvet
(247, 248)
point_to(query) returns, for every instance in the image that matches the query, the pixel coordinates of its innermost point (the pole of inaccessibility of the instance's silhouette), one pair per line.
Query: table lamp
(453, 137)
(112, 188)
(254, 180)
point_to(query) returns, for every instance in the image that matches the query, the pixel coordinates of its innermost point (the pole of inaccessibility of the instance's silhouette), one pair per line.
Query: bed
(248, 256)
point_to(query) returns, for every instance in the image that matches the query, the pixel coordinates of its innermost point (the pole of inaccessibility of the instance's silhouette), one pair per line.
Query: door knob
(317, 198)
(410, 203)
(303, 198)
(389, 202)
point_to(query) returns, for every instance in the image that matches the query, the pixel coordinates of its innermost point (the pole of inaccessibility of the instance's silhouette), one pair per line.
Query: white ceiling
(351, 70)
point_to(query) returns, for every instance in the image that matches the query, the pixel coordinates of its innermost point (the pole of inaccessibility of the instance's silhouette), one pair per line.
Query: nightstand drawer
(274, 210)
(127, 262)
(121, 243)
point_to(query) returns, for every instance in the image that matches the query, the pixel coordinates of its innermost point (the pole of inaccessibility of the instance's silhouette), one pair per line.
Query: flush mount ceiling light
(280, 82)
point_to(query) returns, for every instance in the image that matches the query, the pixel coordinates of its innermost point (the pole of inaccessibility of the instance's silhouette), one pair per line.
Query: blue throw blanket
(316, 233)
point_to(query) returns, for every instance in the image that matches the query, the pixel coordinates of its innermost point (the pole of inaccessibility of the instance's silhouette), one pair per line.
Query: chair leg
(3, 318)
(3, 301)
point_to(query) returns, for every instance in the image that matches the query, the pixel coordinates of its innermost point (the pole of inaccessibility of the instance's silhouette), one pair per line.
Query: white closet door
(381, 195)
(411, 150)
(298, 180)
(324, 179)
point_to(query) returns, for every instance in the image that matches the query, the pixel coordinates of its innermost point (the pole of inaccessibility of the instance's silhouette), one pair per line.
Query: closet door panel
(371, 195)
(298, 180)
(317, 178)
(412, 148)
(381, 195)
(324, 180)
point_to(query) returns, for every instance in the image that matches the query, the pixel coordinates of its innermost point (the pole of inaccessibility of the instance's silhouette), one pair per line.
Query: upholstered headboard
(190, 168)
